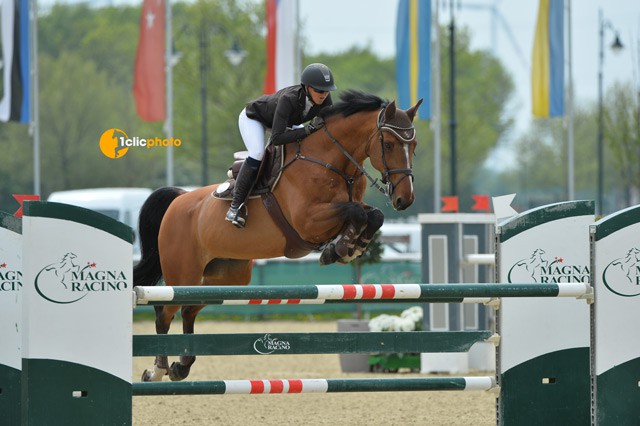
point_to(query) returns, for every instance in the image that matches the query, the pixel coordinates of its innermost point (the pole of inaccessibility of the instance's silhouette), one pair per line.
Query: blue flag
(413, 55)
(547, 73)
(15, 97)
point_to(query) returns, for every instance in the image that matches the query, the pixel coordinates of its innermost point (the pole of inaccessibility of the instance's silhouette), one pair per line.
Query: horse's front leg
(180, 370)
(343, 246)
(164, 316)
(375, 219)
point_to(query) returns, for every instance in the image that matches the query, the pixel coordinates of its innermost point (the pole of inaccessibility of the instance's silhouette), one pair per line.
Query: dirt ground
(371, 408)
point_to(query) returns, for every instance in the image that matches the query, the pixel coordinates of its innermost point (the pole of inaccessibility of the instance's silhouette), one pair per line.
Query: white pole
(435, 116)
(35, 108)
(570, 145)
(297, 54)
(168, 125)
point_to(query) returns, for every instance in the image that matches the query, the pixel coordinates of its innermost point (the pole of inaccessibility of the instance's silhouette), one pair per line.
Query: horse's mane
(354, 101)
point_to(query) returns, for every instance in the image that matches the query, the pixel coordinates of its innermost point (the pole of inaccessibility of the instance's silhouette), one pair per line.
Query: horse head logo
(267, 345)
(63, 268)
(263, 344)
(529, 268)
(630, 263)
(536, 262)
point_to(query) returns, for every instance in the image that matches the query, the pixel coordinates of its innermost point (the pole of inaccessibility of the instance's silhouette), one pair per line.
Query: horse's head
(633, 256)
(68, 258)
(393, 154)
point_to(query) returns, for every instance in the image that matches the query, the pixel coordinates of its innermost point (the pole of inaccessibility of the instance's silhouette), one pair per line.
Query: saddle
(268, 177)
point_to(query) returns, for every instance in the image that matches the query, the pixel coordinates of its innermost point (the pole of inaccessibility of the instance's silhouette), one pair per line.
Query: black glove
(315, 124)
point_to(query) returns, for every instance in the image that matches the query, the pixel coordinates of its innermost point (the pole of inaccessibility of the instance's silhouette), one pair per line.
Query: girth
(295, 246)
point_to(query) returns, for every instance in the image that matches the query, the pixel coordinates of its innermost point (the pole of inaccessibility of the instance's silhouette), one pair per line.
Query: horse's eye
(388, 146)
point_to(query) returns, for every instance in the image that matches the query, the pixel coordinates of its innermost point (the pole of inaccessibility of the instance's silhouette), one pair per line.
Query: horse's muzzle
(402, 203)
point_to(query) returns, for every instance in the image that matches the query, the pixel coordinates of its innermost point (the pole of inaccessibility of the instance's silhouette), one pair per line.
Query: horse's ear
(411, 112)
(390, 111)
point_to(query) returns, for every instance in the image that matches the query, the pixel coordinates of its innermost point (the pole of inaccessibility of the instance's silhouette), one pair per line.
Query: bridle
(403, 134)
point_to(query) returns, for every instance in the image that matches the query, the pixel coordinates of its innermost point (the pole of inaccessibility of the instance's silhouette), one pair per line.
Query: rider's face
(317, 96)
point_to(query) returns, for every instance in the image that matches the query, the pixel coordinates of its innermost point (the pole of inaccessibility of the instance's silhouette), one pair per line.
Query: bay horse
(186, 240)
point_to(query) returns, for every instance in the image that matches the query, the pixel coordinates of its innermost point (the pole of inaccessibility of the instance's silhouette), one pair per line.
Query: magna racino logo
(622, 276)
(540, 269)
(267, 345)
(10, 279)
(68, 282)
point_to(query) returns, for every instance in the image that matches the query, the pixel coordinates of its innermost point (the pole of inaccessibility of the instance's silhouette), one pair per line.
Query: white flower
(409, 320)
(413, 312)
(404, 324)
(381, 323)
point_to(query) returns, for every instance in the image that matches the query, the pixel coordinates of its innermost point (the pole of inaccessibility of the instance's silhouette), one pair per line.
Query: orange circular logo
(109, 143)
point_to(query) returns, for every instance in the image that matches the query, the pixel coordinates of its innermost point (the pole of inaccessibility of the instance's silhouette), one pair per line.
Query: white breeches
(252, 133)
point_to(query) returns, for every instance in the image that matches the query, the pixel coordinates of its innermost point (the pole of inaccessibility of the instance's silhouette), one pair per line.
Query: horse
(537, 261)
(185, 239)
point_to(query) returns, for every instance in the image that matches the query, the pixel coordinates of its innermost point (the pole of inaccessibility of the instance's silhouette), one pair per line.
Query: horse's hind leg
(164, 316)
(180, 370)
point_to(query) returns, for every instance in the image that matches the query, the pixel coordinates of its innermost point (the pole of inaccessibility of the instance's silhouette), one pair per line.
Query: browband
(404, 134)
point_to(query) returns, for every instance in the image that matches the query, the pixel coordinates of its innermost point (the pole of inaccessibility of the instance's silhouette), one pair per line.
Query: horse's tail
(148, 272)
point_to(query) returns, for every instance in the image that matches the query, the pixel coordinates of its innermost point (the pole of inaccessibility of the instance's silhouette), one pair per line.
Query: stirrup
(236, 217)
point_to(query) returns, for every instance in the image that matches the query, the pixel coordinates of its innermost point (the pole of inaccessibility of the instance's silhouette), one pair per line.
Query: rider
(283, 112)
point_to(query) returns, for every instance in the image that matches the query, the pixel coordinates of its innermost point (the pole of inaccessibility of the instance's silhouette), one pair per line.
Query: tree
(622, 136)
(539, 175)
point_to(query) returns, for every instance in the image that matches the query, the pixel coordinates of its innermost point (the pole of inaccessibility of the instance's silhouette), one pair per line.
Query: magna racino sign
(540, 267)
(68, 281)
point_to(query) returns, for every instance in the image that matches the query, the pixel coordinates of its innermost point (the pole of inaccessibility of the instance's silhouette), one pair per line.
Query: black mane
(354, 101)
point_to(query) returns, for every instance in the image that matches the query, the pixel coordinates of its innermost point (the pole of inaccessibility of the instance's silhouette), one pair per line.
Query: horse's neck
(351, 133)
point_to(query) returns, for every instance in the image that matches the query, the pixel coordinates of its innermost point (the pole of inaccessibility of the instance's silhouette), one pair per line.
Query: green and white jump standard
(10, 313)
(76, 317)
(615, 345)
(543, 357)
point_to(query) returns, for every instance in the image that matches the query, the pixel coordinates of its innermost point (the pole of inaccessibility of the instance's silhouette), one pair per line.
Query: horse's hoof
(150, 376)
(154, 375)
(178, 371)
(329, 255)
(146, 376)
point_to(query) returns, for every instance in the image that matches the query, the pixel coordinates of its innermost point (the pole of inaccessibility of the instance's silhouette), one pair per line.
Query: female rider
(283, 112)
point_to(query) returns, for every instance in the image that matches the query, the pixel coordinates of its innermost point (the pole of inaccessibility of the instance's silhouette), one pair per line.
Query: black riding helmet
(319, 77)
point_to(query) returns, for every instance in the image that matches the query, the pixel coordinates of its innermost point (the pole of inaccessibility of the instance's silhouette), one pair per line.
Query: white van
(122, 204)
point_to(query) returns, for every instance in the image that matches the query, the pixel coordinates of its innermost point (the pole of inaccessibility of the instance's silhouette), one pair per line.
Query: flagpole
(570, 145)
(35, 118)
(435, 120)
(297, 46)
(168, 124)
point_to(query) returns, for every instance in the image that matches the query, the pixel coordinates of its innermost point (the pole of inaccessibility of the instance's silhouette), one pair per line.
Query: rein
(408, 134)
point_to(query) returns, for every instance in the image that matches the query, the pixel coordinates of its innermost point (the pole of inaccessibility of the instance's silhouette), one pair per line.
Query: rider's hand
(315, 124)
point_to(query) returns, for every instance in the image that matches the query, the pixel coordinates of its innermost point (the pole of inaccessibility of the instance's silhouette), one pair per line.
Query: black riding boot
(244, 183)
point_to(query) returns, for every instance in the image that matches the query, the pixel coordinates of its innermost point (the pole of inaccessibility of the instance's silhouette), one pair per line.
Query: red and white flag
(149, 71)
(282, 17)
